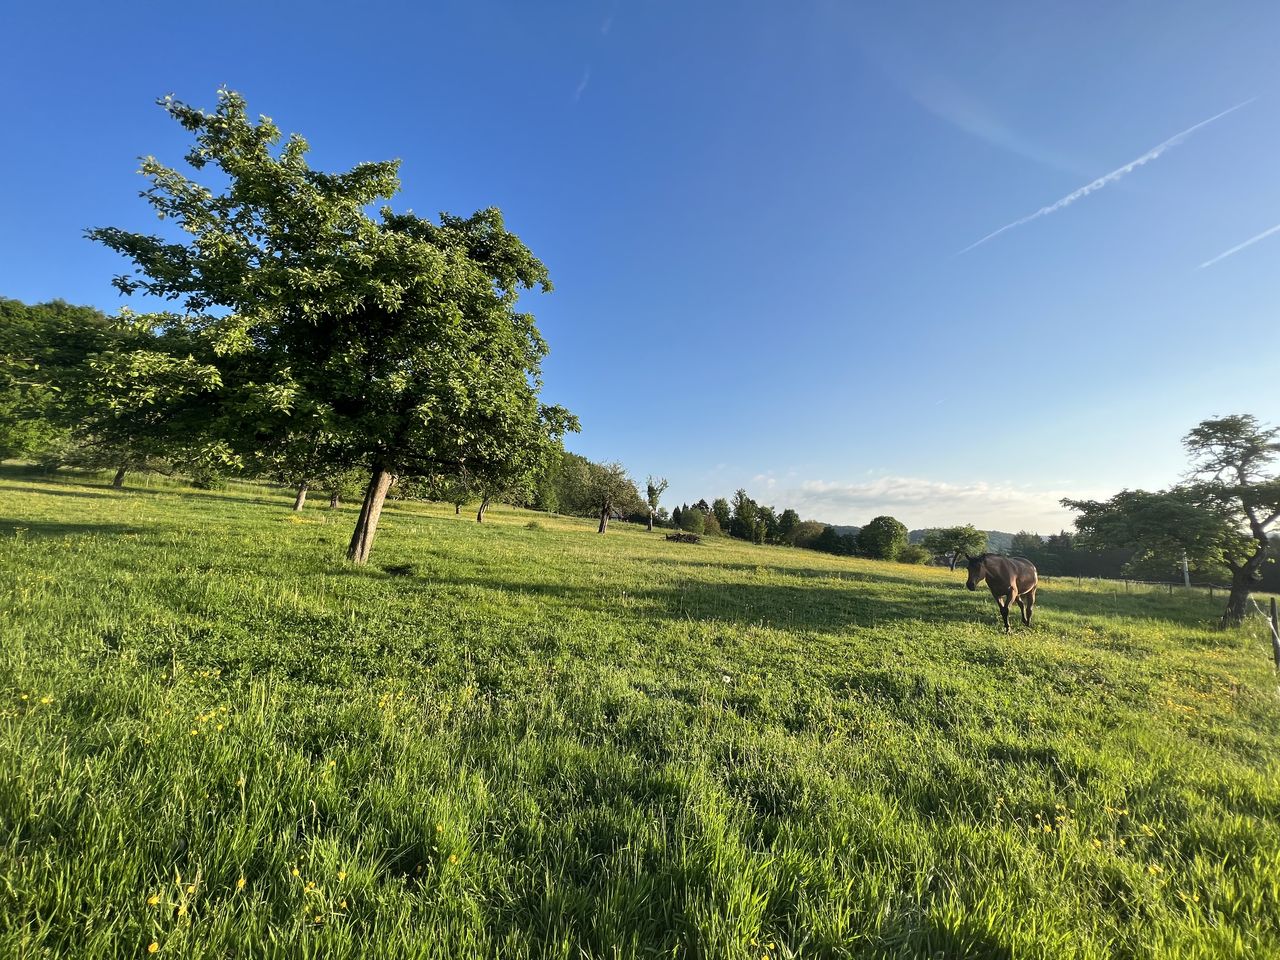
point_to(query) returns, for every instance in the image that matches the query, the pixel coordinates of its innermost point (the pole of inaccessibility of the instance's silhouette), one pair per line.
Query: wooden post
(1275, 634)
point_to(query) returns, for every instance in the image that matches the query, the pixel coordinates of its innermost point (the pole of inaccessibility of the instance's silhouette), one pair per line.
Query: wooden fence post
(1275, 633)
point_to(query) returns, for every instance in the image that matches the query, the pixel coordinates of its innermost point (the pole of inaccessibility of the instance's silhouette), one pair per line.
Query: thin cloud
(582, 84)
(1238, 247)
(1107, 179)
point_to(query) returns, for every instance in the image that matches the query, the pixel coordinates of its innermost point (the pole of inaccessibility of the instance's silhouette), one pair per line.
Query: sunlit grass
(218, 738)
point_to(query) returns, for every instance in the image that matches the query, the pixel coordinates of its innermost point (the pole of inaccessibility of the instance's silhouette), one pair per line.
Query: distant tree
(950, 542)
(693, 520)
(882, 539)
(746, 517)
(788, 521)
(724, 516)
(676, 516)
(711, 526)
(703, 506)
(766, 525)
(806, 533)
(612, 491)
(914, 553)
(831, 540)
(654, 488)
(1221, 516)
(1026, 544)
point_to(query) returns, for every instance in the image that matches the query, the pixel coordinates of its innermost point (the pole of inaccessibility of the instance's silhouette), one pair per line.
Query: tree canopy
(396, 338)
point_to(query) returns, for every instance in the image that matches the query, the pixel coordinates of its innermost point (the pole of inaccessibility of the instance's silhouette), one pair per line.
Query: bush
(914, 553)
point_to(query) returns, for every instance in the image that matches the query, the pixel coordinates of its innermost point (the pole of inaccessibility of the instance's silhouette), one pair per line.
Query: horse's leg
(1031, 607)
(1003, 602)
(1022, 606)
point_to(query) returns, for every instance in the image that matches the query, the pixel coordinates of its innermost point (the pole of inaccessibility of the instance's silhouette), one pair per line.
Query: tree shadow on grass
(54, 528)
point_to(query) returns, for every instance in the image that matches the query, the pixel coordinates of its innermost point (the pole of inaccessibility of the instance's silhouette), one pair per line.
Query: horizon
(950, 266)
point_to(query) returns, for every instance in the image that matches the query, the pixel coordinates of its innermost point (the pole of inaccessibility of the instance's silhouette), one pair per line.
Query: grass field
(219, 740)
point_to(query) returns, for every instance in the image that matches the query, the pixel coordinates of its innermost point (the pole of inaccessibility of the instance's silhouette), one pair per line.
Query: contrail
(1236, 249)
(1111, 177)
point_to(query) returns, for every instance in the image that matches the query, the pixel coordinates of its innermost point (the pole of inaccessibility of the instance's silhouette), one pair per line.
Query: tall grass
(525, 740)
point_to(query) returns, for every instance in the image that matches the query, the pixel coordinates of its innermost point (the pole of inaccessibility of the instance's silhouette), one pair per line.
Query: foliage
(882, 539)
(913, 553)
(745, 517)
(398, 338)
(693, 520)
(541, 738)
(952, 542)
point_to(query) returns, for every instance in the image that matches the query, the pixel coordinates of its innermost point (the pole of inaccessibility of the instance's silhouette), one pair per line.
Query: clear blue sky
(753, 214)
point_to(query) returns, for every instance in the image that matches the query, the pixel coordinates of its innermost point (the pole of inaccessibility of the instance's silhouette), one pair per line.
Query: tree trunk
(457, 509)
(651, 521)
(604, 520)
(335, 499)
(1243, 580)
(370, 510)
(484, 505)
(117, 481)
(301, 499)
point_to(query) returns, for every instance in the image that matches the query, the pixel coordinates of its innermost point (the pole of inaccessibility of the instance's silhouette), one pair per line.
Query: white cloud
(582, 84)
(1240, 246)
(1106, 179)
(919, 503)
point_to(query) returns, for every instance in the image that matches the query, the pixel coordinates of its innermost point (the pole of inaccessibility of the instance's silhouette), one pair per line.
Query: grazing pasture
(521, 739)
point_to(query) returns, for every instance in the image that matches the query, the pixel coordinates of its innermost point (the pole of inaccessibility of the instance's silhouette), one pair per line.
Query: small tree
(746, 517)
(693, 520)
(913, 553)
(882, 539)
(654, 488)
(950, 542)
(612, 491)
(788, 521)
(724, 516)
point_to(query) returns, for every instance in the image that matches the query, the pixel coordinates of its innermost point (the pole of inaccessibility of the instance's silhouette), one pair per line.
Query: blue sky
(753, 214)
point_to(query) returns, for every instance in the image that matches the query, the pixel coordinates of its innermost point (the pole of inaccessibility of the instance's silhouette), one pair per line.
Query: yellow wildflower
(191, 888)
(342, 874)
(453, 858)
(153, 899)
(240, 884)
(153, 947)
(46, 700)
(343, 905)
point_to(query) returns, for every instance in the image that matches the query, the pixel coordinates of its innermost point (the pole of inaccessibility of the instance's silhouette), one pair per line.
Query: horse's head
(977, 570)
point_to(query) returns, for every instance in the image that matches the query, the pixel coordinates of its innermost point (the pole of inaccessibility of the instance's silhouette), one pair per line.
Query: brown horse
(1010, 580)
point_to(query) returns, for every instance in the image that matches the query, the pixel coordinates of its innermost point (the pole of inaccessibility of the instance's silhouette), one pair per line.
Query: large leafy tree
(882, 538)
(1221, 516)
(47, 352)
(397, 338)
(950, 542)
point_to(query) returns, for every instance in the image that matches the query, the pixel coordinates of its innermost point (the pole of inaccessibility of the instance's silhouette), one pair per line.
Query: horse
(1010, 580)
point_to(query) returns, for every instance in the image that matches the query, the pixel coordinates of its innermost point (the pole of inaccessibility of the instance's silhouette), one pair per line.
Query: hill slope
(218, 738)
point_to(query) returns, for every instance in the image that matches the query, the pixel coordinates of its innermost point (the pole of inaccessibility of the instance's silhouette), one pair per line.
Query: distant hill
(997, 540)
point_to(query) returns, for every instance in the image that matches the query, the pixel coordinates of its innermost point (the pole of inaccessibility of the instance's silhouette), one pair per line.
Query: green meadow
(525, 740)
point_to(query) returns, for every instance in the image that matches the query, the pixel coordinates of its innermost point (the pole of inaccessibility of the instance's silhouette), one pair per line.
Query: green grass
(539, 742)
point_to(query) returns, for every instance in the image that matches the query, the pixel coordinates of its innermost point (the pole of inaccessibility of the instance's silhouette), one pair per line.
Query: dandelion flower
(153, 947)
(153, 899)
(46, 700)
(24, 696)
(453, 858)
(240, 884)
(342, 874)
(294, 871)
(191, 888)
